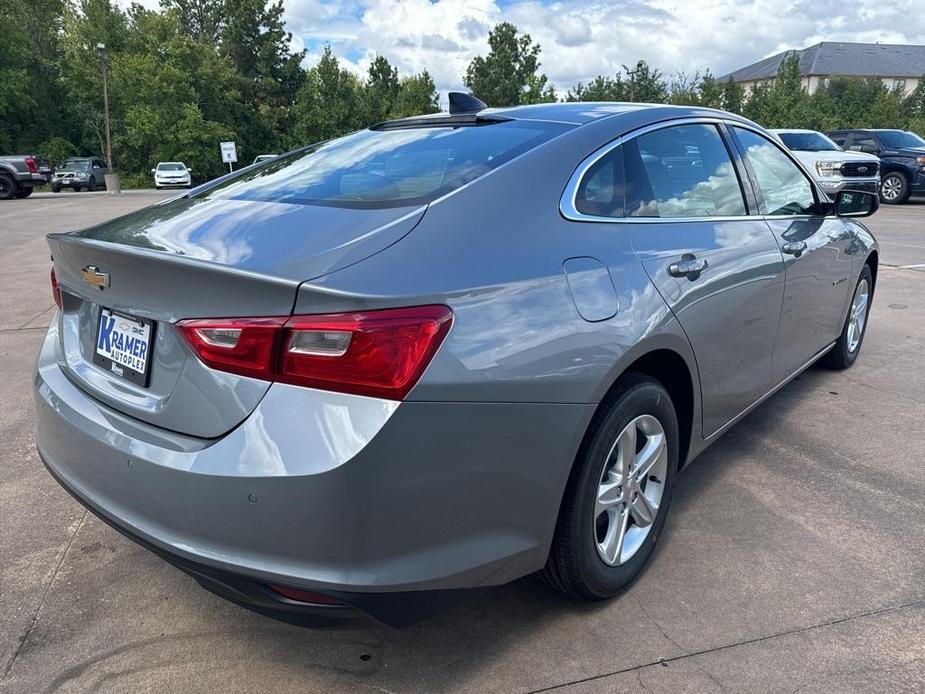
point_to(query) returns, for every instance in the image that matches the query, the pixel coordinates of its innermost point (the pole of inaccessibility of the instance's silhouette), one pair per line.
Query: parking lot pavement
(901, 232)
(794, 557)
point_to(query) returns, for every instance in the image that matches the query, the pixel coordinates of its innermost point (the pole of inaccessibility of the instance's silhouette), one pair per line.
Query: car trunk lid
(197, 259)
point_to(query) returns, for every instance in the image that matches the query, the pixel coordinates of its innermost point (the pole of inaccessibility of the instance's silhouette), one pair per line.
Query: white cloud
(584, 38)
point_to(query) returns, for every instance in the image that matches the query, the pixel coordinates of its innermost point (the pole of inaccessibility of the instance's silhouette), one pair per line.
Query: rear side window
(680, 172)
(783, 187)
(388, 168)
(601, 191)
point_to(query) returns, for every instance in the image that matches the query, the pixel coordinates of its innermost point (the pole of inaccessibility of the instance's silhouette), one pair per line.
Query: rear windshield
(171, 167)
(388, 168)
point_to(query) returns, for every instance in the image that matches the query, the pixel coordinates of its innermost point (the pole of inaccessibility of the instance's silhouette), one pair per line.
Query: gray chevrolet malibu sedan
(386, 371)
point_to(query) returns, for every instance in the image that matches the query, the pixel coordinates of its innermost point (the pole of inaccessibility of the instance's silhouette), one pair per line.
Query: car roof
(170, 162)
(794, 130)
(869, 130)
(574, 113)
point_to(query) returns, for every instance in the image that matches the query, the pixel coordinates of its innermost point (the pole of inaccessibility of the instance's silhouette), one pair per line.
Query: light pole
(112, 179)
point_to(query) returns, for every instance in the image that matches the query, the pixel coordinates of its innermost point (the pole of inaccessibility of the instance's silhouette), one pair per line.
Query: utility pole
(112, 180)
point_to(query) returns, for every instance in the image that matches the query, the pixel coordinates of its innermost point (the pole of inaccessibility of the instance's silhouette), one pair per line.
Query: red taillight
(244, 346)
(30, 163)
(55, 289)
(376, 353)
(304, 595)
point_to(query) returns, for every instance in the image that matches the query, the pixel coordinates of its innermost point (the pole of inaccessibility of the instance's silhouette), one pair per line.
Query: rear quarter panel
(494, 252)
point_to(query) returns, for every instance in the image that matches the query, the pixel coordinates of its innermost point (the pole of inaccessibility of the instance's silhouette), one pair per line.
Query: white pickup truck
(833, 168)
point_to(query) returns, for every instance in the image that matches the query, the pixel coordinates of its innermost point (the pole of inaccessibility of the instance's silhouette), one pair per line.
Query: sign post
(229, 154)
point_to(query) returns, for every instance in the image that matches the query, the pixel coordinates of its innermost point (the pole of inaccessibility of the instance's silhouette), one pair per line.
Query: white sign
(229, 153)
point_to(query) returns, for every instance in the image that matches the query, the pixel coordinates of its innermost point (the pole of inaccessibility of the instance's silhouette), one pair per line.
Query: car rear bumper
(374, 508)
(70, 182)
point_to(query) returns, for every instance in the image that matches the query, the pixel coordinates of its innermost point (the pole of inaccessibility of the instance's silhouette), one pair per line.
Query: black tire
(56, 189)
(574, 565)
(841, 356)
(23, 193)
(91, 186)
(77, 189)
(894, 181)
(8, 188)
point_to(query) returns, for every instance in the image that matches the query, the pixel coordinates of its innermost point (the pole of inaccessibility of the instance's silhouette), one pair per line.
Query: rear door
(816, 249)
(719, 270)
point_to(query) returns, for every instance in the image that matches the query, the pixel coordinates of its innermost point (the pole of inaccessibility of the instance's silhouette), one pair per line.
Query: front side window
(388, 168)
(681, 171)
(898, 139)
(784, 188)
(864, 143)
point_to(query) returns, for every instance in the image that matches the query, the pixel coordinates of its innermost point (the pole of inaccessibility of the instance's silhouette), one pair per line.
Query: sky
(583, 38)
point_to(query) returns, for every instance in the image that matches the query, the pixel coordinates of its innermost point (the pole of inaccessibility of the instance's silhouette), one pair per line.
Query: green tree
(684, 89)
(380, 91)
(202, 20)
(646, 84)
(913, 108)
(417, 95)
(601, 88)
(508, 75)
(787, 100)
(733, 96)
(328, 105)
(711, 91)
(848, 100)
(254, 39)
(886, 111)
(757, 106)
(86, 24)
(695, 90)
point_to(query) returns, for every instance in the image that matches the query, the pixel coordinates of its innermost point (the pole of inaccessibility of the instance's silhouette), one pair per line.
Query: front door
(816, 249)
(720, 271)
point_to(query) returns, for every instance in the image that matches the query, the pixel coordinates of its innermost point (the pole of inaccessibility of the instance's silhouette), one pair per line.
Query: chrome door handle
(794, 248)
(688, 266)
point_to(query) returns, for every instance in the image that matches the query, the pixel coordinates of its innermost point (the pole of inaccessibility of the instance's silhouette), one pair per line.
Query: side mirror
(189, 171)
(852, 203)
(153, 170)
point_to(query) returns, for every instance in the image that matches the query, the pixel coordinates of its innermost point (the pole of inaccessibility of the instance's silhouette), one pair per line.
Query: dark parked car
(902, 159)
(431, 357)
(21, 173)
(80, 173)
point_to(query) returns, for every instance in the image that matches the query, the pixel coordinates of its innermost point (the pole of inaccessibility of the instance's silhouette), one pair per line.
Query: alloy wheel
(630, 490)
(891, 188)
(857, 318)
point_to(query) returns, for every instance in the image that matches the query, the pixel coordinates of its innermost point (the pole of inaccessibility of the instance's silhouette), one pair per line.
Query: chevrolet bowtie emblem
(94, 277)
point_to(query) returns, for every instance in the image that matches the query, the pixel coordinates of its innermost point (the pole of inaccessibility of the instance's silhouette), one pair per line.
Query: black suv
(902, 159)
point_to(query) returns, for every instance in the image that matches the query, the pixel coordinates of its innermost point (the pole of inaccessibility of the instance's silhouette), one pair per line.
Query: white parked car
(834, 168)
(171, 174)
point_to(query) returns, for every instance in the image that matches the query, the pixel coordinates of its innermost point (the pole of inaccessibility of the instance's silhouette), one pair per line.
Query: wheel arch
(668, 359)
(873, 262)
